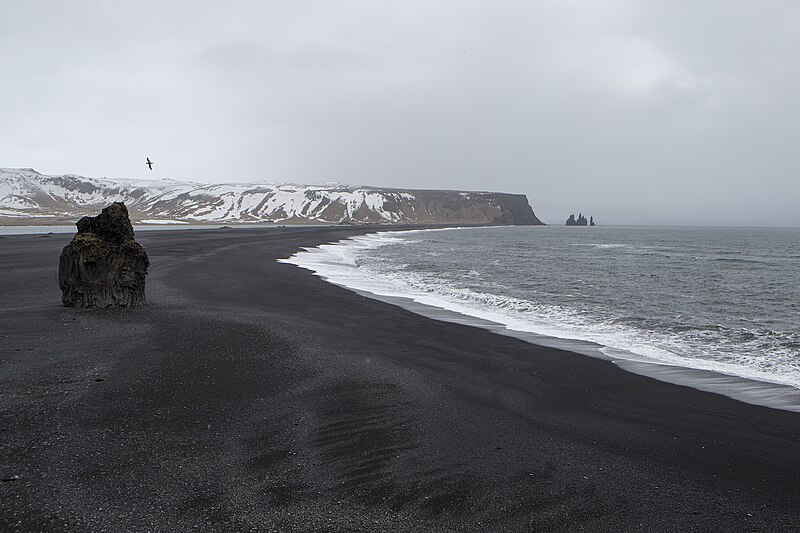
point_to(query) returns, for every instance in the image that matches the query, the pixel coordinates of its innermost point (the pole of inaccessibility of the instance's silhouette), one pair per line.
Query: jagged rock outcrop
(591, 222)
(103, 266)
(581, 221)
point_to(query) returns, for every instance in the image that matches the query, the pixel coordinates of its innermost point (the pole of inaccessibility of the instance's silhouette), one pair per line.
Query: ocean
(724, 302)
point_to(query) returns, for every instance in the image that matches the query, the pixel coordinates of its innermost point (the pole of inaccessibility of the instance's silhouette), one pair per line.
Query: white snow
(24, 192)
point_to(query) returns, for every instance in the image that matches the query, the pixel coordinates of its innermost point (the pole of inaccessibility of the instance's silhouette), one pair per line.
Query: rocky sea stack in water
(581, 220)
(103, 266)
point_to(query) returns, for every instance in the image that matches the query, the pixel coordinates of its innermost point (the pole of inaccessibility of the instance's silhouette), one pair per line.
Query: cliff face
(27, 196)
(424, 206)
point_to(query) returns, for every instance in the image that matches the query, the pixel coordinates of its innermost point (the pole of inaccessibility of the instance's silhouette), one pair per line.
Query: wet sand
(251, 395)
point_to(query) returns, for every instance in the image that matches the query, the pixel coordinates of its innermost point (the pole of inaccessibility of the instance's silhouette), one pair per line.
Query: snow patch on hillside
(25, 192)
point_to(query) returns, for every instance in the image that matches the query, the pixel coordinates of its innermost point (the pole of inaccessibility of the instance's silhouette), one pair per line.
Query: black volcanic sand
(251, 395)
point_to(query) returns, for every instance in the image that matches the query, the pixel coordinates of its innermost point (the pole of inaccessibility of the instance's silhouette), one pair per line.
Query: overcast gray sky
(633, 111)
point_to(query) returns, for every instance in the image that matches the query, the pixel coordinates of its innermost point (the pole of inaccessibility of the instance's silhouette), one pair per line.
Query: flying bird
(149, 164)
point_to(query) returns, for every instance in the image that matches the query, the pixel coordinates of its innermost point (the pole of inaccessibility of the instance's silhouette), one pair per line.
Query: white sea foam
(600, 245)
(341, 263)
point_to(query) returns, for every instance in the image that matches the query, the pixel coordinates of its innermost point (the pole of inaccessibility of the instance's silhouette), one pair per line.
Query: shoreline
(35, 229)
(251, 394)
(739, 387)
(68, 226)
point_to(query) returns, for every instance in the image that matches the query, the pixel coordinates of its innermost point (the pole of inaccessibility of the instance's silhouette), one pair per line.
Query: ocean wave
(759, 354)
(600, 245)
(739, 260)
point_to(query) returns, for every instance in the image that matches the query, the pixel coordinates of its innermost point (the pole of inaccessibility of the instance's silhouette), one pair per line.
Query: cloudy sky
(634, 111)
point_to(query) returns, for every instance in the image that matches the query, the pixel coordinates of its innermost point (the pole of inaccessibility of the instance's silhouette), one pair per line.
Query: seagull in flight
(149, 164)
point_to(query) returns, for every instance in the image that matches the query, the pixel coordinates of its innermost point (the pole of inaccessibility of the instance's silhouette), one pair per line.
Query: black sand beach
(251, 395)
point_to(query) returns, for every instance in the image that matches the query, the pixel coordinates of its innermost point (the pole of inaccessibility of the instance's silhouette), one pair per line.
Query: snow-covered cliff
(26, 195)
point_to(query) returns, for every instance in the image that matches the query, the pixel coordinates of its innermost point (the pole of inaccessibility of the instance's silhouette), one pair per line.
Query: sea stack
(581, 221)
(103, 266)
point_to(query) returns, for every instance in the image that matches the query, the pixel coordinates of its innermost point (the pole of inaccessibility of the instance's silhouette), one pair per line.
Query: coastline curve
(336, 263)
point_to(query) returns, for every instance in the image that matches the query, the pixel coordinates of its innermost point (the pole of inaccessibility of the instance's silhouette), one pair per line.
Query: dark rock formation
(591, 222)
(581, 221)
(103, 265)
